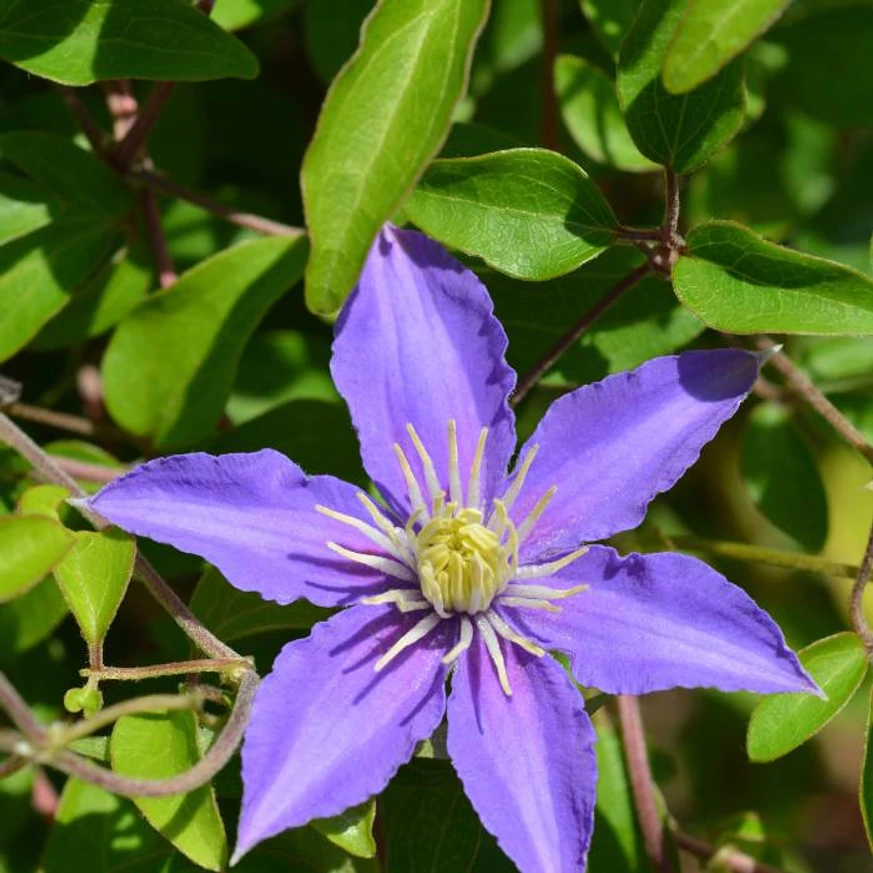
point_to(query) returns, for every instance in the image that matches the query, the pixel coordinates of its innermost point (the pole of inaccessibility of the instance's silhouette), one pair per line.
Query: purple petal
(253, 516)
(652, 622)
(612, 446)
(328, 732)
(527, 761)
(417, 342)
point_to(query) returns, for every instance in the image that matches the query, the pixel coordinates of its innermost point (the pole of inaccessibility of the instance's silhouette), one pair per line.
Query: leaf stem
(642, 785)
(550, 116)
(672, 204)
(89, 472)
(257, 223)
(19, 712)
(126, 149)
(178, 668)
(728, 857)
(856, 607)
(527, 382)
(157, 241)
(64, 421)
(764, 555)
(804, 387)
(93, 132)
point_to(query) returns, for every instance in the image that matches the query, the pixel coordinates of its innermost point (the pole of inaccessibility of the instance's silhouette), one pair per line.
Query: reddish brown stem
(157, 240)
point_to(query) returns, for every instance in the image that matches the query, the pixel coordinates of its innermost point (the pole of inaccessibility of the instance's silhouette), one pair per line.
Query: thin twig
(125, 151)
(154, 671)
(527, 382)
(642, 785)
(728, 857)
(859, 622)
(671, 206)
(93, 133)
(157, 241)
(211, 763)
(550, 117)
(257, 223)
(763, 555)
(60, 420)
(19, 712)
(639, 234)
(804, 387)
(90, 472)
(64, 734)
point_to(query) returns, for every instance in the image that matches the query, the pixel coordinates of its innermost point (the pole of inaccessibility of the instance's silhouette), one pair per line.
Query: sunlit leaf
(201, 324)
(530, 213)
(30, 546)
(782, 722)
(138, 39)
(736, 281)
(93, 578)
(352, 831)
(711, 34)
(385, 116)
(158, 746)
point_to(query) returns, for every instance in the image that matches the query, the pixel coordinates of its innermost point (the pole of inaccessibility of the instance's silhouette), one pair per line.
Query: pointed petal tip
(765, 355)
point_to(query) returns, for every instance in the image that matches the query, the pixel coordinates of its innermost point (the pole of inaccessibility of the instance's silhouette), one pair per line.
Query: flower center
(461, 563)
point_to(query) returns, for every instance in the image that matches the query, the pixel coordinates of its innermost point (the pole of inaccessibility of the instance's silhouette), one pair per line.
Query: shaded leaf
(736, 281)
(611, 20)
(200, 325)
(119, 39)
(645, 322)
(30, 546)
(781, 475)
(158, 746)
(589, 107)
(28, 620)
(302, 849)
(680, 131)
(331, 31)
(236, 14)
(232, 614)
(93, 578)
(830, 78)
(316, 435)
(385, 116)
(782, 722)
(98, 832)
(530, 213)
(711, 34)
(352, 831)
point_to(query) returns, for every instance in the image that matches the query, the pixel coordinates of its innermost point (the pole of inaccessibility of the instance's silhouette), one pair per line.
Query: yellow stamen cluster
(461, 560)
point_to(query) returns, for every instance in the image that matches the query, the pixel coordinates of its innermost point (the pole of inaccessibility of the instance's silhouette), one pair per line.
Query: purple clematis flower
(465, 569)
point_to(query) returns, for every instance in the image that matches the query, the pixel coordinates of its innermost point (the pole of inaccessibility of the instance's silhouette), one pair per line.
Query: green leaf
(827, 71)
(530, 213)
(40, 270)
(27, 621)
(98, 832)
(201, 325)
(316, 435)
(711, 34)
(352, 831)
(30, 546)
(278, 366)
(782, 722)
(385, 116)
(589, 106)
(738, 282)
(43, 500)
(781, 474)
(232, 614)
(611, 20)
(646, 322)
(158, 746)
(865, 792)
(23, 207)
(679, 131)
(100, 303)
(236, 14)
(93, 578)
(428, 823)
(617, 842)
(119, 39)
